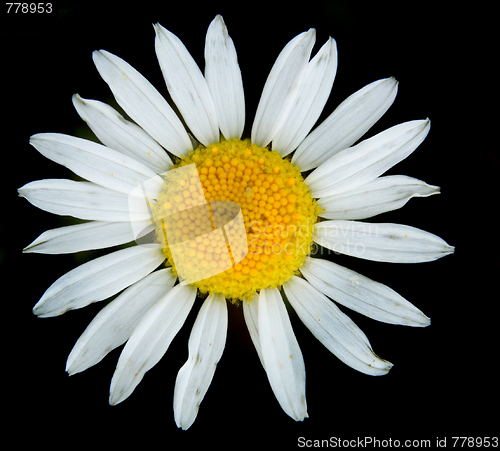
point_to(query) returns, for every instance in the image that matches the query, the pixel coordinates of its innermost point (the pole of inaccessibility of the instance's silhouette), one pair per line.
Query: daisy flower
(293, 189)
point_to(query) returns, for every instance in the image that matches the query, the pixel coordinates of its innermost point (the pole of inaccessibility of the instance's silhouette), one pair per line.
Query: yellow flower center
(245, 220)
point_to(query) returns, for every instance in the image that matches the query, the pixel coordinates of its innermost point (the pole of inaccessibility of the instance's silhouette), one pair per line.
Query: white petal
(281, 88)
(376, 197)
(187, 86)
(281, 354)
(334, 329)
(150, 340)
(114, 324)
(119, 134)
(82, 237)
(349, 122)
(366, 161)
(84, 200)
(223, 76)
(94, 162)
(98, 279)
(313, 92)
(361, 294)
(251, 315)
(394, 243)
(206, 344)
(143, 103)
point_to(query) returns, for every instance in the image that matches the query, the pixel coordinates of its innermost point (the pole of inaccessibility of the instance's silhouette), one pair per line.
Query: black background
(443, 382)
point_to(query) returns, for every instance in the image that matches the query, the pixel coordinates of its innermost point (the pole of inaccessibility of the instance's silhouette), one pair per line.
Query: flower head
(231, 219)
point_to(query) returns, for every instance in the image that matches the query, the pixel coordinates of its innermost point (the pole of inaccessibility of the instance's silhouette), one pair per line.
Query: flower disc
(276, 208)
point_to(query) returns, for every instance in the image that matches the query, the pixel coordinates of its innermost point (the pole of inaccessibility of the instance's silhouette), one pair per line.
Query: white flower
(347, 180)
